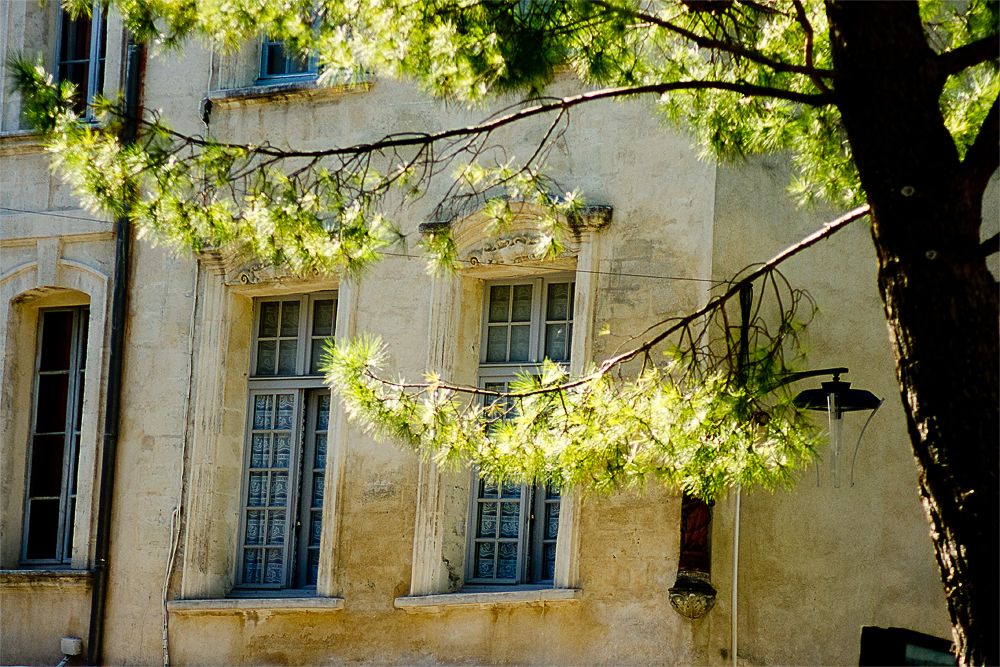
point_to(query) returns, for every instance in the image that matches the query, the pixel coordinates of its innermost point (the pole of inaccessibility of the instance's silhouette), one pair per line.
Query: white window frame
(72, 437)
(306, 389)
(531, 539)
(96, 58)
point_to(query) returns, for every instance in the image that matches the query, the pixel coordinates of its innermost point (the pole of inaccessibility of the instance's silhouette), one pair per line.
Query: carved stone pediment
(522, 241)
(239, 268)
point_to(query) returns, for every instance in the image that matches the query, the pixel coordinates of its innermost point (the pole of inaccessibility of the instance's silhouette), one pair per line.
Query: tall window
(513, 527)
(276, 62)
(286, 442)
(50, 504)
(82, 51)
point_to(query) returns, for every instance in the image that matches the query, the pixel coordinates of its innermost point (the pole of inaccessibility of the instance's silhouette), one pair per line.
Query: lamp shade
(847, 399)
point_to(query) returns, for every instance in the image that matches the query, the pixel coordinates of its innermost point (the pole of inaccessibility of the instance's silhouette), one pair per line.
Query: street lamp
(835, 398)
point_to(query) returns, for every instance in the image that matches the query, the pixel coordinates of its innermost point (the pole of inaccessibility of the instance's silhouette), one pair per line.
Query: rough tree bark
(940, 300)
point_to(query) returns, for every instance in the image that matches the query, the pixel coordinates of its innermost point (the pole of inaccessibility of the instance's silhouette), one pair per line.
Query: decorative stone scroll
(507, 249)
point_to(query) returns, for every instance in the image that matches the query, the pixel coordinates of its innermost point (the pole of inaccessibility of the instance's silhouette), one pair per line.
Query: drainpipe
(119, 304)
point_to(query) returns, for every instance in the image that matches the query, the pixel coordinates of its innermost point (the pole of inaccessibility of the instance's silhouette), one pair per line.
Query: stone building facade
(225, 551)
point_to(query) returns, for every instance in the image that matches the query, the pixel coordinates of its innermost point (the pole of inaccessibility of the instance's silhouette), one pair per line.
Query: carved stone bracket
(692, 595)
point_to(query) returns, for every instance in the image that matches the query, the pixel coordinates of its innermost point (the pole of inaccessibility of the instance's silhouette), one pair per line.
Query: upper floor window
(54, 448)
(513, 527)
(286, 443)
(277, 63)
(82, 53)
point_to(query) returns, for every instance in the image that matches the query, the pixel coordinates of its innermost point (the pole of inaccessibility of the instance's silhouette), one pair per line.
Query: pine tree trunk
(940, 300)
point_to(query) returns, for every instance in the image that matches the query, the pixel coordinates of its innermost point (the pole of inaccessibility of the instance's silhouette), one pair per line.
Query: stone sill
(288, 90)
(82, 579)
(436, 603)
(254, 605)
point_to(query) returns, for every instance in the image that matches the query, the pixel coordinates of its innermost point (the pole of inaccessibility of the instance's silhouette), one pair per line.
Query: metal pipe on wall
(119, 307)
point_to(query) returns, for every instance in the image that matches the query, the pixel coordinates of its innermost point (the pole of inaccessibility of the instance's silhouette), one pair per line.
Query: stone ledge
(46, 579)
(436, 603)
(288, 90)
(254, 605)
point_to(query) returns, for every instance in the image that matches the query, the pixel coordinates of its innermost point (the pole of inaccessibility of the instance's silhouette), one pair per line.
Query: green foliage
(742, 76)
(700, 432)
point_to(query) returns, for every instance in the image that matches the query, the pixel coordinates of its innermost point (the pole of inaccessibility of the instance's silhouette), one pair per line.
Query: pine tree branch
(413, 139)
(824, 232)
(953, 62)
(726, 47)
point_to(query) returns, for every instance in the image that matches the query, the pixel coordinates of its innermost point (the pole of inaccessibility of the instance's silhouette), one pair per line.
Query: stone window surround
(237, 82)
(21, 13)
(512, 254)
(51, 280)
(228, 284)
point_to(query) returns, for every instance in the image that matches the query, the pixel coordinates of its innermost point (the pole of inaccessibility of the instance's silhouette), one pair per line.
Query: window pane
(279, 489)
(485, 553)
(510, 513)
(549, 562)
(507, 560)
(255, 494)
(320, 461)
(556, 342)
(286, 407)
(251, 566)
(552, 520)
(487, 520)
(313, 572)
(269, 319)
(559, 302)
(79, 400)
(276, 527)
(273, 573)
(84, 317)
(70, 523)
(287, 353)
(317, 494)
(255, 527)
(316, 529)
(496, 344)
(511, 490)
(275, 59)
(499, 303)
(46, 466)
(316, 360)
(520, 343)
(282, 450)
(289, 318)
(262, 412)
(323, 416)
(43, 529)
(57, 330)
(521, 311)
(266, 357)
(488, 489)
(260, 452)
(52, 394)
(323, 313)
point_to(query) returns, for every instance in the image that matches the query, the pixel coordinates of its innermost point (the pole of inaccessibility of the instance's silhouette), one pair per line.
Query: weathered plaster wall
(818, 562)
(36, 612)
